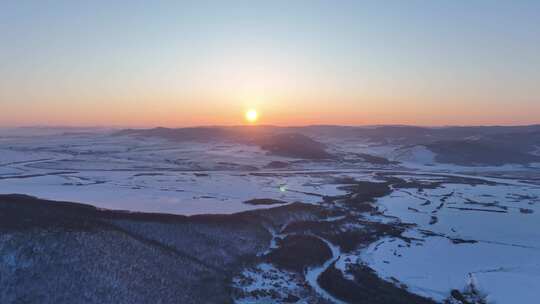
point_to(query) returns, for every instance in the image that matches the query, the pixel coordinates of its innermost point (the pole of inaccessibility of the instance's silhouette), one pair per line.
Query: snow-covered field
(485, 233)
(488, 233)
(153, 175)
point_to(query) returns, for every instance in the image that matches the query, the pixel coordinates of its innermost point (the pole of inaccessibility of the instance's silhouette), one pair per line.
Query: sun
(252, 116)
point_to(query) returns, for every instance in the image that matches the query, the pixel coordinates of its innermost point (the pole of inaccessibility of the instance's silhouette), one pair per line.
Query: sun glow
(252, 116)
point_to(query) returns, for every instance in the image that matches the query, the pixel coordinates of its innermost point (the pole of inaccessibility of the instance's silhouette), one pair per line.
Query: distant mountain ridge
(463, 145)
(274, 140)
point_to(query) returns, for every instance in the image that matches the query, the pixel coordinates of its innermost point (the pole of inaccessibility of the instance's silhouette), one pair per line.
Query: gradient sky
(184, 63)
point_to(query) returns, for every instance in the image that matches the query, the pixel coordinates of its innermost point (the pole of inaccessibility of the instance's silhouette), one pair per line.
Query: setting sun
(252, 116)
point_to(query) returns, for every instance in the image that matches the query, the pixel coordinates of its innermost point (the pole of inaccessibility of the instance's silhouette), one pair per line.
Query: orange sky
(276, 112)
(307, 62)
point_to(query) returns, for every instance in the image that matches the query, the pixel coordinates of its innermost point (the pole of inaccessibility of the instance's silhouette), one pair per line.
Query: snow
(313, 273)
(155, 175)
(266, 278)
(514, 286)
(416, 154)
(506, 252)
(180, 193)
(343, 261)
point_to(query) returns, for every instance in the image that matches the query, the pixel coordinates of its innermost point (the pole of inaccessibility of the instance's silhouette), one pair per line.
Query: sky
(191, 63)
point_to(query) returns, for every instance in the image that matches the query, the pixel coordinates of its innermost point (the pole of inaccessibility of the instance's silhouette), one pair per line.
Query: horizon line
(260, 125)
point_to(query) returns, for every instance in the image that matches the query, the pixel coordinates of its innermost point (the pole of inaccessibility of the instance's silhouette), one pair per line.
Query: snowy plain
(489, 234)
